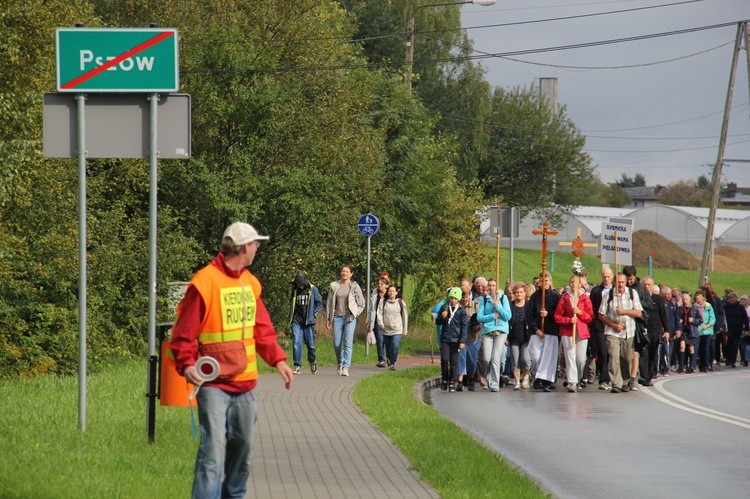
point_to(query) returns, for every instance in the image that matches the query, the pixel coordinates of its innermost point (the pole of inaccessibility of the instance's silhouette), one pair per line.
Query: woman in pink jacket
(576, 317)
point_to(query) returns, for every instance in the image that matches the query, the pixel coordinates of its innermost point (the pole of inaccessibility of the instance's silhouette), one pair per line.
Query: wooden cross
(578, 244)
(579, 249)
(544, 232)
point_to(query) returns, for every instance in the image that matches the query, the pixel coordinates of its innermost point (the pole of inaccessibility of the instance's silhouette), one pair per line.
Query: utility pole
(410, 27)
(716, 188)
(409, 51)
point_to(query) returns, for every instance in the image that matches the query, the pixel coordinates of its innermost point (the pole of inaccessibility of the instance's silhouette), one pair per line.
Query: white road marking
(687, 406)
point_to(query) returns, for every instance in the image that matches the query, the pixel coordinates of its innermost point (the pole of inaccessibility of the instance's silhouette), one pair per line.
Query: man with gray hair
(618, 311)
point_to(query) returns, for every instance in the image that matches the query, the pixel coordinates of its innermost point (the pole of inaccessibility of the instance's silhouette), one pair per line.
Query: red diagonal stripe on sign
(117, 60)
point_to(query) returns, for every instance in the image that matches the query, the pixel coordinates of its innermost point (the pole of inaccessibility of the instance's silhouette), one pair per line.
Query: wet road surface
(687, 436)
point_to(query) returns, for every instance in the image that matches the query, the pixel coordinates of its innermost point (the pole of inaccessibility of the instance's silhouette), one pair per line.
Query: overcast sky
(660, 119)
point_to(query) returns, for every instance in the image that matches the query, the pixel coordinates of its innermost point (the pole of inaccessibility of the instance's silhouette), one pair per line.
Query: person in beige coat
(393, 319)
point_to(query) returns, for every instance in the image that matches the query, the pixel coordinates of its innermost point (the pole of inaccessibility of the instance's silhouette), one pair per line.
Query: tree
(536, 160)
(284, 137)
(608, 195)
(450, 85)
(311, 149)
(636, 181)
(685, 193)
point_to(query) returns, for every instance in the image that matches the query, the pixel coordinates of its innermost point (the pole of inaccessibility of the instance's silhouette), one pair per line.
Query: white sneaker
(345, 371)
(525, 382)
(517, 386)
(338, 371)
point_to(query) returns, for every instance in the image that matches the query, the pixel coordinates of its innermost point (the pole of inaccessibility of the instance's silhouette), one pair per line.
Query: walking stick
(497, 255)
(432, 350)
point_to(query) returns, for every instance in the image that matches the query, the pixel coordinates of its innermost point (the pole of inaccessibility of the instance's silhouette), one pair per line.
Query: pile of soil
(668, 255)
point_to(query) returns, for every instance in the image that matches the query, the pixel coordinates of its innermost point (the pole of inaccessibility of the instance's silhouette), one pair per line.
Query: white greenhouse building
(685, 226)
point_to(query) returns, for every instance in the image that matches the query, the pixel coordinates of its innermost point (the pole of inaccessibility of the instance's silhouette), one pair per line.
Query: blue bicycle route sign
(368, 224)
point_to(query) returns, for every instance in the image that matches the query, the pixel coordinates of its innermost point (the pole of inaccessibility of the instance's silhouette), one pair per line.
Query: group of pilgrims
(532, 335)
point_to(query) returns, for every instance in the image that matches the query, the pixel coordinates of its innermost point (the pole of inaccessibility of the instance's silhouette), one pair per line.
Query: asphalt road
(688, 436)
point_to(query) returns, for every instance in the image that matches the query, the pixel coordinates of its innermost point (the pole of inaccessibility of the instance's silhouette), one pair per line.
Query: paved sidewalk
(313, 441)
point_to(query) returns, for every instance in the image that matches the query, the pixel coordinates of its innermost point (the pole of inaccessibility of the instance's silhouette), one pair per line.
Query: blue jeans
(391, 347)
(461, 362)
(472, 356)
(304, 334)
(379, 342)
(343, 339)
(226, 422)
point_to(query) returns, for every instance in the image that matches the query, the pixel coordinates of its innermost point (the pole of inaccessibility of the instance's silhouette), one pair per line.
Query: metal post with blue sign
(368, 226)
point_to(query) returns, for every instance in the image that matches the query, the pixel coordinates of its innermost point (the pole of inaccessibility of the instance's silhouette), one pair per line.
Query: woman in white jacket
(393, 320)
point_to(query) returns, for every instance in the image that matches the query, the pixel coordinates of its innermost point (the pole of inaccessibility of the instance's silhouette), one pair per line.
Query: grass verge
(46, 455)
(446, 457)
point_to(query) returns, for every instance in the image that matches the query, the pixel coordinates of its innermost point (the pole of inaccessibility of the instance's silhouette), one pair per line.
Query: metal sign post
(134, 61)
(82, 291)
(368, 226)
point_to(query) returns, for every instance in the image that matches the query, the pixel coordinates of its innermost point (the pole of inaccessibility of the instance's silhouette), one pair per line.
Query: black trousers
(598, 349)
(449, 361)
(649, 359)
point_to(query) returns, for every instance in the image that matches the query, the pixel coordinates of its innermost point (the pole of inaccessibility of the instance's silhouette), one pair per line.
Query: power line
(663, 124)
(468, 58)
(666, 151)
(628, 66)
(348, 39)
(470, 121)
(566, 18)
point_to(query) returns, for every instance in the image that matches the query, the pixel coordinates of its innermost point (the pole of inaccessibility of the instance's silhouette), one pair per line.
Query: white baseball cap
(241, 233)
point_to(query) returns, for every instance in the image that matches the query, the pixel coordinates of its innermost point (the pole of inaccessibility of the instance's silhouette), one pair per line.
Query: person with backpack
(393, 320)
(378, 295)
(452, 317)
(644, 295)
(493, 313)
(305, 304)
(618, 312)
(658, 333)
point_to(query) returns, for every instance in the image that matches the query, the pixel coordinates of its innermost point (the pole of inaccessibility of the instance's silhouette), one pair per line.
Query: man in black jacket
(633, 282)
(543, 345)
(597, 342)
(658, 331)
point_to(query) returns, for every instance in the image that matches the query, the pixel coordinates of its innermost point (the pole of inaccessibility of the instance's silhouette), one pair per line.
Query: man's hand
(192, 376)
(328, 325)
(286, 373)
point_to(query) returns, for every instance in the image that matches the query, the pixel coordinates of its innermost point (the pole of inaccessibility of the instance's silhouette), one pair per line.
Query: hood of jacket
(300, 278)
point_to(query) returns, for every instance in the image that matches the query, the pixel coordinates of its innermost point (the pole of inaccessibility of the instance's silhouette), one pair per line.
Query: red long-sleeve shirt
(186, 329)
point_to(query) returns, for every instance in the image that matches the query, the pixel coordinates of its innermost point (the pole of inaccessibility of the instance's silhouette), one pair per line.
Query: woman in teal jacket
(706, 329)
(493, 313)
